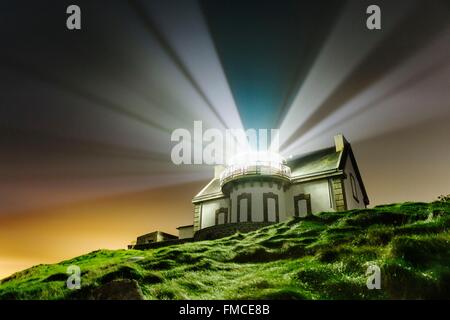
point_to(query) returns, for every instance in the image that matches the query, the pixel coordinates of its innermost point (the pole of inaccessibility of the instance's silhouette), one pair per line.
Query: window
(221, 216)
(302, 205)
(275, 217)
(354, 189)
(242, 215)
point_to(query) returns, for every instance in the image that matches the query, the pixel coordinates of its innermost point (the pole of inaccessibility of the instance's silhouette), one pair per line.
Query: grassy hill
(321, 257)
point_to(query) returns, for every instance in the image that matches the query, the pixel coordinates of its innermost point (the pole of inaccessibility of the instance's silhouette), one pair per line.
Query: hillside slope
(321, 257)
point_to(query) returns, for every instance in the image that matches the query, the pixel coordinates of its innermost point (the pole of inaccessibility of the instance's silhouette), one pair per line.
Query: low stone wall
(154, 245)
(210, 233)
(225, 230)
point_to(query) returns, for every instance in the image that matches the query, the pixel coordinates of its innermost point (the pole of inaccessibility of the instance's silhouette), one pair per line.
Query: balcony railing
(259, 168)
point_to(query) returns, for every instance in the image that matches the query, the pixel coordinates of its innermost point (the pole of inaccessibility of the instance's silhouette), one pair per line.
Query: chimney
(339, 142)
(218, 170)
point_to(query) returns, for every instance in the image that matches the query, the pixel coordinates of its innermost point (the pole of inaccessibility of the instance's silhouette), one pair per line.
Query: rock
(118, 290)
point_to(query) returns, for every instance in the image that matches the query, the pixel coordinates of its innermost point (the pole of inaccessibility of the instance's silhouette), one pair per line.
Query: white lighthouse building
(259, 189)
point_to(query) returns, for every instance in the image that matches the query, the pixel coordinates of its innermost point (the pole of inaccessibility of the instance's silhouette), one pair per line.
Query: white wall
(208, 211)
(186, 232)
(257, 189)
(271, 209)
(320, 196)
(320, 201)
(351, 202)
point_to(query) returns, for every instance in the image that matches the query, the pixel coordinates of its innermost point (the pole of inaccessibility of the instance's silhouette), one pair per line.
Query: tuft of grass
(123, 272)
(422, 251)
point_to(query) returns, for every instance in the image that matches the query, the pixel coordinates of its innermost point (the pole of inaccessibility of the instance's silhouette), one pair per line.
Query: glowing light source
(257, 163)
(257, 158)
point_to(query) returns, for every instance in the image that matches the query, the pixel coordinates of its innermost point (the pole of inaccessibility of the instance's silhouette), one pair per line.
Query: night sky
(86, 116)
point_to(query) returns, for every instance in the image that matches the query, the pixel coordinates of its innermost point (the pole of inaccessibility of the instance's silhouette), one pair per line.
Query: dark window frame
(225, 212)
(266, 197)
(354, 188)
(248, 197)
(307, 198)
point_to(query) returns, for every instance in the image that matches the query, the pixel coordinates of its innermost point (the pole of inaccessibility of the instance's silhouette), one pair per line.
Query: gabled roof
(211, 191)
(168, 235)
(320, 161)
(326, 161)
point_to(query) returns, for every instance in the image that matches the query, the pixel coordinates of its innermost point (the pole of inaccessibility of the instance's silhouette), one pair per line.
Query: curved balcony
(255, 169)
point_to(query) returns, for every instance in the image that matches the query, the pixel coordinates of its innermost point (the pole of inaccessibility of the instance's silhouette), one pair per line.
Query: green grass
(321, 257)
